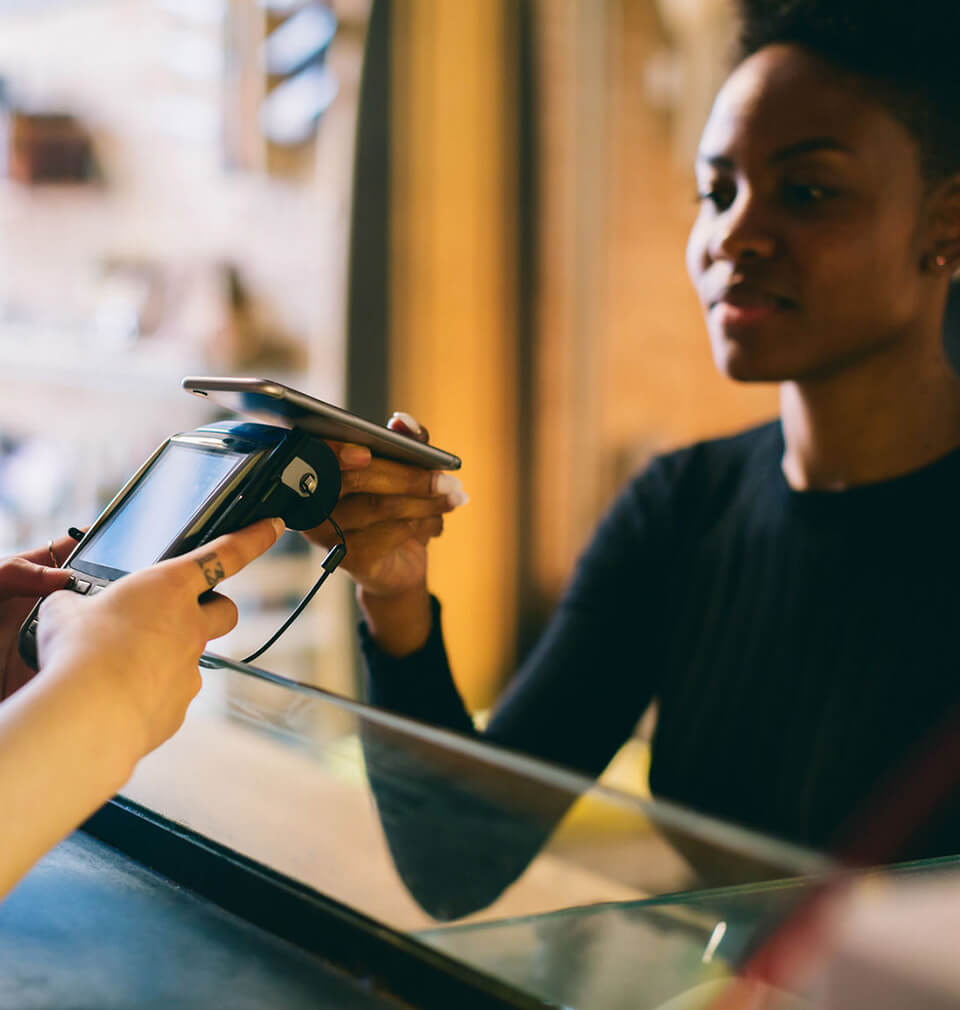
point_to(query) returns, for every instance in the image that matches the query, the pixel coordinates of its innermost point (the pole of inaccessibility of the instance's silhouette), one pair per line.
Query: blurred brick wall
(624, 367)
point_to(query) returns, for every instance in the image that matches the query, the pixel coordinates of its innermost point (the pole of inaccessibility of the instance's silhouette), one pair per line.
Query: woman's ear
(944, 251)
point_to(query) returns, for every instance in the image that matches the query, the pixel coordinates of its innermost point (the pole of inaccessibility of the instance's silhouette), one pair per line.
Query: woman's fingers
(350, 456)
(388, 512)
(363, 473)
(407, 425)
(388, 478)
(383, 476)
(210, 564)
(424, 534)
(359, 511)
(219, 613)
(428, 528)
(358, 457)
(20, 577)
(366, 548)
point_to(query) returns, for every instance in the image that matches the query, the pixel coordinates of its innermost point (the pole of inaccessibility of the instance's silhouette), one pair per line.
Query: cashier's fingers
(219, 613)
(56, 550)
(20, 577)
(209, 565)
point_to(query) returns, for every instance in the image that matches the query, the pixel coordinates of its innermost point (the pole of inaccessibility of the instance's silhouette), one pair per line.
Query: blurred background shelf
(182, 254)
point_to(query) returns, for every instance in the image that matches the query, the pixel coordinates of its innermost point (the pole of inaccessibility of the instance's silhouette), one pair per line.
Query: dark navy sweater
(800, 645)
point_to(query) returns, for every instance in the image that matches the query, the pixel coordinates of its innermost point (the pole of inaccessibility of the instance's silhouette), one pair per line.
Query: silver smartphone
(276, 403)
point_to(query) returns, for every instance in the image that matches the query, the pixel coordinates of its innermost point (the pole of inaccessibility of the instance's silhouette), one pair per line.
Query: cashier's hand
(24, 578)
(138, 643)
(388, 512)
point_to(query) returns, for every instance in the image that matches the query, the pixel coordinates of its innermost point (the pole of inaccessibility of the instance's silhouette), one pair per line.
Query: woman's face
(807, 251)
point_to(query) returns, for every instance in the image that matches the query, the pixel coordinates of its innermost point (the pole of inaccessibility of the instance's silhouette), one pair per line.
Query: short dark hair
(906, 53)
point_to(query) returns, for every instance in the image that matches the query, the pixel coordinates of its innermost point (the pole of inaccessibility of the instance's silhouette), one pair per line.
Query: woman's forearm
(65, 749)
(400, 624)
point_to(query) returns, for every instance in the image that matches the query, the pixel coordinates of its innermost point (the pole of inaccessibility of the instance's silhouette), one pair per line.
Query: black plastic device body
(196, 486)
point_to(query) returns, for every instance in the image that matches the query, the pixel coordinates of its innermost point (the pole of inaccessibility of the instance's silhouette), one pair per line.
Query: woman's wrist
(399, 623)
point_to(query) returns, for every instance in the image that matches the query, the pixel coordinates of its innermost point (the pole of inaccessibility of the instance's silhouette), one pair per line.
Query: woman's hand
(24, 578)
(138, 644)
(388, 512)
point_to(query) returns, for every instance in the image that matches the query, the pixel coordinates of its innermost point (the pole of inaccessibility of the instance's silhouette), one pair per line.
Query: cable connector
(336, 554)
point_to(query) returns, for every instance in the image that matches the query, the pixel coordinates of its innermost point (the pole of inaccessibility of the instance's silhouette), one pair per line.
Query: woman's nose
(741, 232)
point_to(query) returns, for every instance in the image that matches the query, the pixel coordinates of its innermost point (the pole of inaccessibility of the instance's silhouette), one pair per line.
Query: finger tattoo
(212, 569)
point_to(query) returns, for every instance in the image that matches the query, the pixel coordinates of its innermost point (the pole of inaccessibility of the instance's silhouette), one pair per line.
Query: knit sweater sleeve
(580, 692)
(460, 834)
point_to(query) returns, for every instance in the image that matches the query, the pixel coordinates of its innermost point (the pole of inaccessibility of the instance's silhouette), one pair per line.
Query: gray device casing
(276, 403)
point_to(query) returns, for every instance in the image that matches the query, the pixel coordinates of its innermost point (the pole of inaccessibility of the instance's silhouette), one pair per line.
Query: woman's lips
(744, 314)
(748, 306)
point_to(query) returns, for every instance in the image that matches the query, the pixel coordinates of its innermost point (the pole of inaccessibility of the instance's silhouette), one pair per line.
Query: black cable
(335, 555)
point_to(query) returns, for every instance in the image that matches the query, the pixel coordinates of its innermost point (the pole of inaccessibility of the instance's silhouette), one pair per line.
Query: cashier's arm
(117, 673)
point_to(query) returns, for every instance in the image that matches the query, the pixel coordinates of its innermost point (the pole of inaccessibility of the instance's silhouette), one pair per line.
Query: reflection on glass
(568, 891)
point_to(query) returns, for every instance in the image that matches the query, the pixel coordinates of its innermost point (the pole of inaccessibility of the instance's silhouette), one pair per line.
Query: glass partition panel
(576, 894)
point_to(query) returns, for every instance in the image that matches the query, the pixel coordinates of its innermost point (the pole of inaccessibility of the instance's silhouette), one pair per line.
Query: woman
(788, 595)
(117, 672)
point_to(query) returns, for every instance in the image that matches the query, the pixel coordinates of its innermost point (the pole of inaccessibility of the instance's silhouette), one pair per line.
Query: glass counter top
(569, 893)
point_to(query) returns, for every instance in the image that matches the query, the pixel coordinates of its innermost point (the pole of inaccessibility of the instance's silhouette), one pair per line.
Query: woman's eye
(721, 197)
(805, 195)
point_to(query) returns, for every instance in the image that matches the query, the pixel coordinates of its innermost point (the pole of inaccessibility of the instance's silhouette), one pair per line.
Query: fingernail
(409, 422)
(450, 487)
(355, 455)
(279, 526)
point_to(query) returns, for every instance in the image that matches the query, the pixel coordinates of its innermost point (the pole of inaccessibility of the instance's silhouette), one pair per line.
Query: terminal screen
(155, 513)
